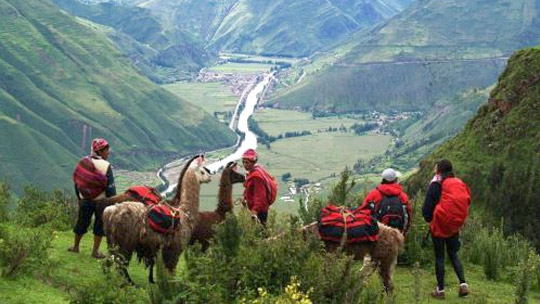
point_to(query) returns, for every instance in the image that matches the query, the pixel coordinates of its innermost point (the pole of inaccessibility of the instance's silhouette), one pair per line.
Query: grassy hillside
(163, 54)
(436, 49)
(62, 83)
(276, 27)
(498, 152)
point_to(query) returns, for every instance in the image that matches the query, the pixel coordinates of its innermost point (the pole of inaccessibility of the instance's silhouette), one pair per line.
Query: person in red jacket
(446, 208)
(258, 192)
(390, 203)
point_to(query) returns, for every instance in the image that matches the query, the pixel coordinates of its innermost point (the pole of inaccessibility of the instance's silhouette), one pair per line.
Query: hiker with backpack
(94, 180)
(389, 203)
(446, 207)
(260, 187)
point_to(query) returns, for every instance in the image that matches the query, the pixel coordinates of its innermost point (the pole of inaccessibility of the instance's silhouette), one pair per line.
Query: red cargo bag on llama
(163, 218)
(358, 223)
(145, 194)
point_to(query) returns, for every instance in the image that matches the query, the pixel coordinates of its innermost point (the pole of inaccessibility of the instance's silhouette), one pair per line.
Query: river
(249, 140)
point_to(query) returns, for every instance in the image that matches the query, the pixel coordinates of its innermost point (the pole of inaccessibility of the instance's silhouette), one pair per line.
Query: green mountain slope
(433, 49)
(280, 27)
(498, 152)
(62, 83)
(163, 54)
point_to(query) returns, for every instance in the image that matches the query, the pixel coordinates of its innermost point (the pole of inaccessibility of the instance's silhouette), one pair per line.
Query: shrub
(418, 245)
(37, 208)
(527, 268)
(5, 198)
(111, 289)
(23, 250)
(341, 193)
(242, 262)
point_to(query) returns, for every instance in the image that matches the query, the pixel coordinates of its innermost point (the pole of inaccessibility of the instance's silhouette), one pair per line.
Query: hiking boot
(438, 294)
(463, 289)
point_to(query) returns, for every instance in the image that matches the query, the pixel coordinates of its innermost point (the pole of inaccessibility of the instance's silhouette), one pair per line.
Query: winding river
(249, 140)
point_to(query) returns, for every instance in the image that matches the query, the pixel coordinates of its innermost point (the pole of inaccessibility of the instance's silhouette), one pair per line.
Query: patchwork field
(241, 68)
(275, 122)
(211, 96)
(318, 157)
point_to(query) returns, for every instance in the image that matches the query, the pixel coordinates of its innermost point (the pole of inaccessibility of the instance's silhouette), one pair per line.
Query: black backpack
(391, 211)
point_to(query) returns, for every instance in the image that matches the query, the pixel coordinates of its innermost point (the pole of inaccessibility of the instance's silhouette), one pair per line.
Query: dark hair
(444, 166)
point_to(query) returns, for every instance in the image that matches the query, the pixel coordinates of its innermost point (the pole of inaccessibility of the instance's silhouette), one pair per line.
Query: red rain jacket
(257, 192)
(390, 190)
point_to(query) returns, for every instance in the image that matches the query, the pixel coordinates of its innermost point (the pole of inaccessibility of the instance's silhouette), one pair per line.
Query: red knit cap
(250, 154)
(99, 144)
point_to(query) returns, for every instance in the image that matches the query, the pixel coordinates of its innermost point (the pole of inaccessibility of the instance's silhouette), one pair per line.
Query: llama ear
(199, 161)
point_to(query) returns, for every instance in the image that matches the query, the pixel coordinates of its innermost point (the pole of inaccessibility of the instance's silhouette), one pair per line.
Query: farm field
(211, 96)
(319, 157)
(275, 122)
(241, 68)
(290, 60)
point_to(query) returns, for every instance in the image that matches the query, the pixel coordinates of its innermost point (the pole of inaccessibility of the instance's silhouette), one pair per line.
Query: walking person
(446, 207)
(260, 187)
(94, 180)
(390, 203)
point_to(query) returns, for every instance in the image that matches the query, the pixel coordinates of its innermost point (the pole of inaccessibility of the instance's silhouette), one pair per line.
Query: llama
(383, 252)
(127, 230)
(203, 230)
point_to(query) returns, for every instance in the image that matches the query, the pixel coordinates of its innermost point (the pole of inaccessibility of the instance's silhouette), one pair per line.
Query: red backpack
(452, 209)
(145, 194)
(360, 225)
(89, 181)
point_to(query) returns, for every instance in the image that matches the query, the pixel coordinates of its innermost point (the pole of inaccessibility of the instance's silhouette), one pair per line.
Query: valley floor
(71, 272)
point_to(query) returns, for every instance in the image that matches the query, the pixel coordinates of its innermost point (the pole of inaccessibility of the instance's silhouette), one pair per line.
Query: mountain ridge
(62, 83)
(498, 152)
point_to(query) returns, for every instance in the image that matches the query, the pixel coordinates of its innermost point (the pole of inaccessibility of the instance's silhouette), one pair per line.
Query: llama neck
(189, 198)
(225, 196)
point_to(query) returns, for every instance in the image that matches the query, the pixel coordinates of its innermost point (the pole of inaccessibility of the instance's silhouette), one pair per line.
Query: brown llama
(127, 229)
(204, 230)
(383, 252)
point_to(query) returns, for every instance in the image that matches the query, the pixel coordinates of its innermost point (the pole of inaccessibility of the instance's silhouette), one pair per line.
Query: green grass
(241, 68)
(211, 96)
(26, 290)
(78, 271)
(276, 122)
(319, 158)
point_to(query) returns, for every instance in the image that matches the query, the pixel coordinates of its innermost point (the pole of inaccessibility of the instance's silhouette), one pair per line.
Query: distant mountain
(296, 28)
(431, 50)
(498, 152)
(162, 54)
(62, 82)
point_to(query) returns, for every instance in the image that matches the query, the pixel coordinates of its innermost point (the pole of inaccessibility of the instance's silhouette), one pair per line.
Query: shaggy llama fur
(204, 230)
(383, 252)
(127, 230)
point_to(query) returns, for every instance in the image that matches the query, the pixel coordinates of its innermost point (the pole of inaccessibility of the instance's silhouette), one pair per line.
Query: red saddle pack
(145, 194)
(163, 218)
(358, 223)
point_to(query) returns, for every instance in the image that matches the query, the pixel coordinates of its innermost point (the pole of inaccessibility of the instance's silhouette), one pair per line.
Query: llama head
(202, 173)
(232, 174)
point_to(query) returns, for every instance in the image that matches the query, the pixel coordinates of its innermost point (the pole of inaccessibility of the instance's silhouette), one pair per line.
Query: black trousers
(452, 247)
(86, 210)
